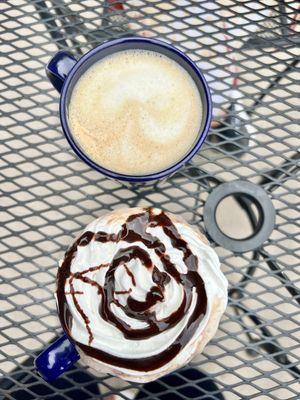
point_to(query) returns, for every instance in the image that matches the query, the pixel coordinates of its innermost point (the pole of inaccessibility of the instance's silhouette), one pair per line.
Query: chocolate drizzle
(132, 231)
(130, 274)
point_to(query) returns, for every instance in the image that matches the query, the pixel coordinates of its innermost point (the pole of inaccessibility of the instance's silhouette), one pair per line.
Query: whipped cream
(122, 296)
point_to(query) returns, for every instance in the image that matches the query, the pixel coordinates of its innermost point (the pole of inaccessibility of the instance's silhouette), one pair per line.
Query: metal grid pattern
(248, 52)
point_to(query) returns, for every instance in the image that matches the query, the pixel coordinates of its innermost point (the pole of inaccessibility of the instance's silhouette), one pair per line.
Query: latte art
(136, 292)
(135, 112)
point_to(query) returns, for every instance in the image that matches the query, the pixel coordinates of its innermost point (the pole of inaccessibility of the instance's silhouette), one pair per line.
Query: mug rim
(116, 175)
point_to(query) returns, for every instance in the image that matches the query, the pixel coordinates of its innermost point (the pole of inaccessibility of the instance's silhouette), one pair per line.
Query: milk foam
(135, 112)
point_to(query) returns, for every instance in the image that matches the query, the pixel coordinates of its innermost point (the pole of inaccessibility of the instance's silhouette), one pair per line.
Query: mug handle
(56, 359)
(59, 67)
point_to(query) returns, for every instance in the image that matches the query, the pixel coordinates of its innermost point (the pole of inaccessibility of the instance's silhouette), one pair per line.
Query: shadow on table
(25, 384)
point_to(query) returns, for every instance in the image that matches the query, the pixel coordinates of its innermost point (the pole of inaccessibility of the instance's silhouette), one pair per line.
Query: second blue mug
(64, 70)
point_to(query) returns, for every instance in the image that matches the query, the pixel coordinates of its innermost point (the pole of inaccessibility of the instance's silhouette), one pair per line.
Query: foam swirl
(137, 289)
(135, 112)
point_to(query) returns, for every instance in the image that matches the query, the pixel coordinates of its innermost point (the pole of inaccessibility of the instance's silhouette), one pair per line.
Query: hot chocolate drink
(140, 292)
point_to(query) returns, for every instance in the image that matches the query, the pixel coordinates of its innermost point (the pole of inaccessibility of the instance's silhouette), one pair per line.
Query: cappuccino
(135, 112)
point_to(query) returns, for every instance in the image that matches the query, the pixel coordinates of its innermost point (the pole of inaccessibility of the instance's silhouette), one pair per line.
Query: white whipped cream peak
(133, 279)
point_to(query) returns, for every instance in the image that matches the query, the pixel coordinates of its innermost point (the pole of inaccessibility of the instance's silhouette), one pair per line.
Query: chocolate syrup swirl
(134, 230)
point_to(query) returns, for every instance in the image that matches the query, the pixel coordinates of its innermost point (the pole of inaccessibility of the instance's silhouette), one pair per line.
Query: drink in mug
(135, 112)
(134, 109)
(140, 293)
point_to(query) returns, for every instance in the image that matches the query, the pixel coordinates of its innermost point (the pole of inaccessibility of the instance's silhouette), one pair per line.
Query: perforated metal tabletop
(248, 51)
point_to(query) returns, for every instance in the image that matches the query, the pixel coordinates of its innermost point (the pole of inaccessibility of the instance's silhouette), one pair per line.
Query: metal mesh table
(248, 52)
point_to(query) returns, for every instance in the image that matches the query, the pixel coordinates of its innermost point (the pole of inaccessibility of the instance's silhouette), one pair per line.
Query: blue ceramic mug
(64, 70)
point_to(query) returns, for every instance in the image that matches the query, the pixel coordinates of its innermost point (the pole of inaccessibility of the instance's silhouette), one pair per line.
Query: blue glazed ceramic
(56, 359)
(64, 71)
